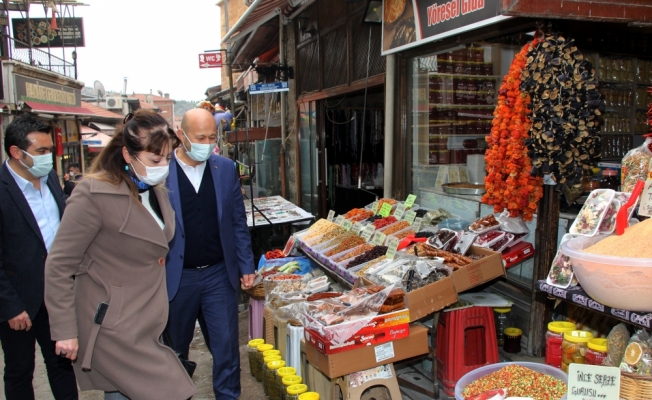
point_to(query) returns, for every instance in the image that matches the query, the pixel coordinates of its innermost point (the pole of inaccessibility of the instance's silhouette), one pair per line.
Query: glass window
(308, 157)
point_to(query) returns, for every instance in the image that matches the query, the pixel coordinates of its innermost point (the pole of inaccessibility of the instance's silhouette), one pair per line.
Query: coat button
(161, 261)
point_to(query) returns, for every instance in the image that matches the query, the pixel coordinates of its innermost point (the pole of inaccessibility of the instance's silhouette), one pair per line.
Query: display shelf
(462, 106)
(578, 296)
(445, 75)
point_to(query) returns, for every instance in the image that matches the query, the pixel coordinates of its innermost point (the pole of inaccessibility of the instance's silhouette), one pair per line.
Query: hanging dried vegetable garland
(566, 106)
(508, 183)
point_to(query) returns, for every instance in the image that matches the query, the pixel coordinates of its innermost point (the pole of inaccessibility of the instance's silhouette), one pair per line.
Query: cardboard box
(478, 272)
(340, 364)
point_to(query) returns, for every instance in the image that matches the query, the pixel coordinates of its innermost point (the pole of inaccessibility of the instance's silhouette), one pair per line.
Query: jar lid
(309, 396)
(598, 345)
(276, 364)
(292, 380)
(254, 343)
(513, 332)
(268, 353)
(578, 336)
(297, 389)
(561, 326)
(503, 310)
(286, 371)
(271, 358)
(265, 347)
(609, 172)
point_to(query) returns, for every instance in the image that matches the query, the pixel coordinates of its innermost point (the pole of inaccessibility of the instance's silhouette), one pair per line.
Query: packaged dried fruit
(518, 238)
(503, 243)
(592, 213)
(638, 354)
(489, 238)
(442, 238)
(561, 271)
(485, 224)
(465, 242)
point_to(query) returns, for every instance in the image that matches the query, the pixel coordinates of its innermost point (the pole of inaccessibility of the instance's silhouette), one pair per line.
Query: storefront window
(308, 156)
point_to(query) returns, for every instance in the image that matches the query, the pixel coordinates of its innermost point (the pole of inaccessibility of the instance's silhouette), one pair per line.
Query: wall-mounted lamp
(304, 24)
(373, 12)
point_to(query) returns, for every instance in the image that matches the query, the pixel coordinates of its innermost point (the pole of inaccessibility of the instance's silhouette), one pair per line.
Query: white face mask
(198, 152)
(155, 175)
(42, 164)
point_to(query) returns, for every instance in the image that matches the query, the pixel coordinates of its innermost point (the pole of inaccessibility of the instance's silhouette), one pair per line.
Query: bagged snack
(638, 354)
(635, 165)
(616, 344)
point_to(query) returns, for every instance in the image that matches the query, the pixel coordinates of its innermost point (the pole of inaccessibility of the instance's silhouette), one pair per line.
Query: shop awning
(258, 13)
(110, 129)
(97, 139)
(87, 130)
(52, 109)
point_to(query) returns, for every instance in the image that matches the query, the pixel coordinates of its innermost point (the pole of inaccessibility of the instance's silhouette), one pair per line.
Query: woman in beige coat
(110, 249)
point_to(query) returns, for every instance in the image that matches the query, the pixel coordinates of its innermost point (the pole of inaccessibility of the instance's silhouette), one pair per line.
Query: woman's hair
(144, 130)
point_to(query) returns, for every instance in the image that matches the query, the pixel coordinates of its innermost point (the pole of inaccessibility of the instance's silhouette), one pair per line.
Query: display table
(578, 296)
(274, 210)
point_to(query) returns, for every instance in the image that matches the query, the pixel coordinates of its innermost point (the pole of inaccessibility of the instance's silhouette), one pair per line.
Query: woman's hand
(67, 348)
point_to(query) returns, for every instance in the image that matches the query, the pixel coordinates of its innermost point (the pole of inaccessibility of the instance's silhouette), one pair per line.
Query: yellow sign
(49, 95)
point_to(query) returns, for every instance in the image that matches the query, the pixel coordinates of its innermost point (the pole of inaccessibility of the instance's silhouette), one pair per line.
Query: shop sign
(411, 23)
(40, 91)
(69, 34)
(269, 88)
(590, 382)
(210, 60)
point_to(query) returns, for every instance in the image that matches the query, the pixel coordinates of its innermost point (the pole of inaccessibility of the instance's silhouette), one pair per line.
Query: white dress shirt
(194, 174)
(144, 198)
(43, 205)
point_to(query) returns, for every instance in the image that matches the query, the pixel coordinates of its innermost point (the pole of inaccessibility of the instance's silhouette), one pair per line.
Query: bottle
(279, 388)
(513, 340)
(287, 382)
(554, 338)
(597, 351)
(252, 350)
(502, 322)
(609, 179)
(258, 362)
(573, 348)
(295, 391)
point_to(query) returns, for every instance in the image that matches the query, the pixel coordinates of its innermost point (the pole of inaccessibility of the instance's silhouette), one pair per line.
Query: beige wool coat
(110, 249)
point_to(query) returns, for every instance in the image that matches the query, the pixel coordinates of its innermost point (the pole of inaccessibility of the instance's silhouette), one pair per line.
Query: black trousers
(19, 348)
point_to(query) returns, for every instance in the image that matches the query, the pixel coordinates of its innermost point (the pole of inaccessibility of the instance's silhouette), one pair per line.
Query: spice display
(374, 218)
(637, 358)
(354, 253)
(346, 244)
(489, 238)
(331, 233)
(554, 339)
(404, 234)
(597, 352)
(635, 166)
(273, 254)
(318, 228)
(616, 344)
(628, 244)
(519, 382)
(391, 202)
(374, 253)
(566, 106)
(396, 227)
(509, 184)
(590, 216)
(358, 214)
(383, 222)
(573, 348)
(370, 264)
(482, 224)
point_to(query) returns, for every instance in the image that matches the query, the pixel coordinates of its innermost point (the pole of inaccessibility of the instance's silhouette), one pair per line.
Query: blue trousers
(208, 293)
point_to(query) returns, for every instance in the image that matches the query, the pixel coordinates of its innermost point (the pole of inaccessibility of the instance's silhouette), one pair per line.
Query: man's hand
(247, 281)
(67, 348)
(66, 177)
(21, 322)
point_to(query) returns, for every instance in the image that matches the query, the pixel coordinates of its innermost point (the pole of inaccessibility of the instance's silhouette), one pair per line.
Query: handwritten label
(385, 210)
(400, 211)
(340, 219)
(591, 382)
(357, 228)
(392, 246)
(410, 216)
(645, 209)
(347, 224)
(416, 225)
(464, 174)
(331, 215)
(384, 352)
(374, 207)
(379, 239)
(409, 202)
(368, 231)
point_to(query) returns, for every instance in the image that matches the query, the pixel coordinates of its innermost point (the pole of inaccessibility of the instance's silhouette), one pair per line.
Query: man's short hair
(74, 165)
(19, 128)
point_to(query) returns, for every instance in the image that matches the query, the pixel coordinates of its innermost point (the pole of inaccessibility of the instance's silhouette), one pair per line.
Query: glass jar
(513, 340)
(252, 350)
(609, 179)
(294, 391)
(269, 381)
(597, 351)
(258, 362)
(265, 370)
(554, 337)
(573, 348)
(309, 396)
(287, 382)
(279, 388)
(501, 316)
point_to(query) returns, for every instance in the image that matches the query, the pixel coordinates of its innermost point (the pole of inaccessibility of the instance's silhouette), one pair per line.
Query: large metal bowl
(464, 188)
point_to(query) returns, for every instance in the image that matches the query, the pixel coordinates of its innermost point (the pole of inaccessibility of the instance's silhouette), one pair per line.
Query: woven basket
(257, 292)
(635, 387)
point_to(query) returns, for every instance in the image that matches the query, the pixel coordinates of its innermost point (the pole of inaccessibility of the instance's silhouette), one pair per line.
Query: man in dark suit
(210, 254)
(31, 205)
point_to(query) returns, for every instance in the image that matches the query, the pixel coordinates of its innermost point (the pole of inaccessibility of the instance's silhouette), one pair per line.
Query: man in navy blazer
(210, 255)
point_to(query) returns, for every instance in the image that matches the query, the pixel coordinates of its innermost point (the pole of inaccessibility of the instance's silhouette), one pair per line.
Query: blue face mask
(42, 164)
(198, 152)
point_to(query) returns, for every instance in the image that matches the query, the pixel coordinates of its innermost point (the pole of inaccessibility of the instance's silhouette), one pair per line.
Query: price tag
(347, 224)
(645, 209)
(340, 219)
(409, 202)
(331, 215)
(374, 207)
(591, 382)
(416, 225)
(400, 211)
(384, 351)
(410, 216)
(385, 210)
(379, 239)
(392, 246)
(464, 174)
(368, 231)
(357, 228)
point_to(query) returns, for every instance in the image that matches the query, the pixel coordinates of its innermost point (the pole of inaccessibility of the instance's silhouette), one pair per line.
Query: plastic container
(608, 280)
(512, 340)
(593, 211)
(554, 338)
(269, 382)
(489, 238)
(294, 391)
(258, 361)
(456, 224)
(573, 348)
(309, 396)
(265, 371)
(502, 320)
(476, 374)
(276, 392)
(252, 350)
(503, 243)
(597, 351)
(287, 382)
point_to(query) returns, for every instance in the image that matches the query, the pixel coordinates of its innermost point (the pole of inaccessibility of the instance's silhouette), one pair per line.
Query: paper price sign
(392, 246)
(340, 220)
(591, 382)
(331, 215)
(368, 231)
(409, 202)
(347, 224)
(410, 216)
(357, 228)
(385, 210)
(374, 207)
(400, 211)
(416, 225)
(379, 239)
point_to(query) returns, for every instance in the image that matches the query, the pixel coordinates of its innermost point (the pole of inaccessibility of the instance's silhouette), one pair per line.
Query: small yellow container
(279, 388)
(271, 353)
(309, 396)
(252, 350)
(258, 361)
(295, 391)
(269, 381)
(287, 382)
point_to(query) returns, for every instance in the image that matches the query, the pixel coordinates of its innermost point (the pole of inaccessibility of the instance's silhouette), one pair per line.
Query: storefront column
(390, 95)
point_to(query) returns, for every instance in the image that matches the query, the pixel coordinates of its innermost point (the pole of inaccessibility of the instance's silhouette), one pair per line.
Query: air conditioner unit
(113, 103)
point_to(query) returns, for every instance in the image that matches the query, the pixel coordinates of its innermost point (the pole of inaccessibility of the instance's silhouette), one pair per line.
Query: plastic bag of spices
(635, 165)
(616, 344)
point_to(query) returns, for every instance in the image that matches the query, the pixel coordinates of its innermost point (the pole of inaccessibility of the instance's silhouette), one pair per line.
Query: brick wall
(236, 9)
